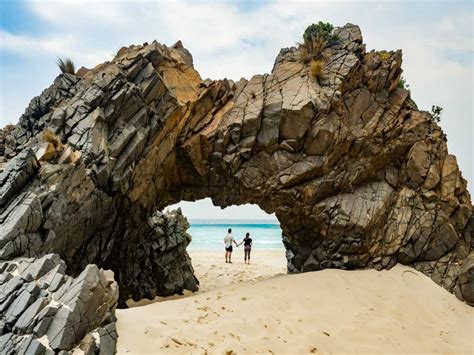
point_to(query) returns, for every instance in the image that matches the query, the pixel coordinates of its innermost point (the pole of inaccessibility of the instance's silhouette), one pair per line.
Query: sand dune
(397, 311)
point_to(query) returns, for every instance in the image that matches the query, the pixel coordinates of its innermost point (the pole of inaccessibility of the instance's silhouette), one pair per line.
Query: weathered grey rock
(19, 223)
(157, 263)
(17, 174)
(82, 306)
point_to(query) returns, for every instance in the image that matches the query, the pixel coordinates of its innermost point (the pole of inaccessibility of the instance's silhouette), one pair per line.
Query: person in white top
(228, 240)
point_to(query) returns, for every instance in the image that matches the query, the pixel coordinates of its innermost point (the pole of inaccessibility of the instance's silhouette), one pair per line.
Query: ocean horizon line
(226, 221)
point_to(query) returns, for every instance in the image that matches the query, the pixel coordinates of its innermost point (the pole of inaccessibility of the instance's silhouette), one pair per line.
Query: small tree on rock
(436, 112)
(402, 84)
(316, 38)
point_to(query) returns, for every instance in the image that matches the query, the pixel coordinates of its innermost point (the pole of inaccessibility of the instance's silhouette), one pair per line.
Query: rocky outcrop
(44, 311)
(157, 262)
(357, 175)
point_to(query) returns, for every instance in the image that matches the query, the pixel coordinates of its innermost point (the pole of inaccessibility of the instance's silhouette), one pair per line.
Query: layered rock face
(357, 176)
(44, 311)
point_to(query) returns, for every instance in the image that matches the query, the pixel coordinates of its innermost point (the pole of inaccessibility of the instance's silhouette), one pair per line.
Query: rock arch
(357, 176)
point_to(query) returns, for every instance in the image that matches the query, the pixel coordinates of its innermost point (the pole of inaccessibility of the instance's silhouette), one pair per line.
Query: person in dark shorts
(228, 240)
(247, 242)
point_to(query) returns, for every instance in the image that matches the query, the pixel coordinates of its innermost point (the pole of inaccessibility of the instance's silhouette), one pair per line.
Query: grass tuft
(316, 68)
(66, 65)
(316, 39)
(50, 137)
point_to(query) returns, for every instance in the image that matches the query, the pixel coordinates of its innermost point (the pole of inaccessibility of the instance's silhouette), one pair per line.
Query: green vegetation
(436, 112)
(316, 39)
(66, 65)
(402, 84)
(321, 29)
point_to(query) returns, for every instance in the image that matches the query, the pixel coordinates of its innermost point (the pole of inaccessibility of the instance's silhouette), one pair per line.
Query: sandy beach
(244, 309)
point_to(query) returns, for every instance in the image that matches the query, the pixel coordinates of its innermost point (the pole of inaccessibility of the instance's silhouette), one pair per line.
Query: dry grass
(318, 45)
(316, 68)
(304, 52)
(8, 128)
(312, 49)
(50, 137)
(66, 65)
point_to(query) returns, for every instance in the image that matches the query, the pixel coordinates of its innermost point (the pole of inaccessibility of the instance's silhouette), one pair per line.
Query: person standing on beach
(228, 240)
(247, 247)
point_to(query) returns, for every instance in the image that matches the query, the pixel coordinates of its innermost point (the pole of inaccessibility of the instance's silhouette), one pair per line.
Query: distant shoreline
(208, 235)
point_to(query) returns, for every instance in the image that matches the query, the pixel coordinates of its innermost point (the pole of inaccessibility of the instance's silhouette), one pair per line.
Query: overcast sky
(239, 39)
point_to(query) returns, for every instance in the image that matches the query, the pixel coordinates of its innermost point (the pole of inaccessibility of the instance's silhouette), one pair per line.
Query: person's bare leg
(226, 256)
(248, 256)
(230, 257)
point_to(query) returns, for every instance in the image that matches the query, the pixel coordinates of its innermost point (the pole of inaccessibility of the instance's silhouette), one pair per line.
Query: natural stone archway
(357, 175)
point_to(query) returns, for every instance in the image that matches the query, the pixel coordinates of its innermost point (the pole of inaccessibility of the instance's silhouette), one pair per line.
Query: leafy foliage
(321, 29)
(316, 38)
(402, 84)
(66, 65)
(436, 112)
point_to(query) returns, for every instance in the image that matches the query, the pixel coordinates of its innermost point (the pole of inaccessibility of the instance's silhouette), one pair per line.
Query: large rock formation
(357, 175)
(44, 311)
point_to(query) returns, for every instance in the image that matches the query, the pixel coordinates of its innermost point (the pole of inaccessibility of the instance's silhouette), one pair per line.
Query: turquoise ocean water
(209, 234)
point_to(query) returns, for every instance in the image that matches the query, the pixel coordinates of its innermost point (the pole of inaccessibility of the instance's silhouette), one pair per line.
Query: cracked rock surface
(356, 174)
(45, 311)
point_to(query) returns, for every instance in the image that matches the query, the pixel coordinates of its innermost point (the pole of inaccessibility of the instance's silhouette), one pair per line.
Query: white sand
(398, 311)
